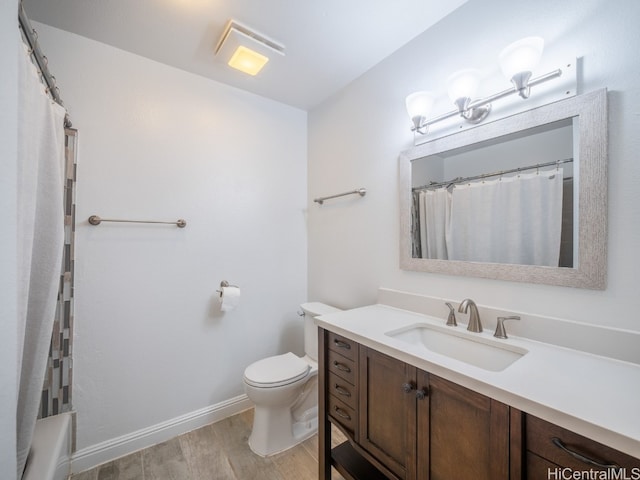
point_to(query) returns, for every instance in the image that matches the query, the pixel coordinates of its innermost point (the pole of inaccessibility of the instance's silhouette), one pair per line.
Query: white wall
(9, 38)
(158, 143)
(355, 139)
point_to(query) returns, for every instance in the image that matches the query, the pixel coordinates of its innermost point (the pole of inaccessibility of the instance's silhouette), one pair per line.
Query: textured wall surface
(156, 143)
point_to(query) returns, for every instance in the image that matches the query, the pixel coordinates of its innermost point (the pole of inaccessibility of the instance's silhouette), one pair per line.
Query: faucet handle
(451, 320)
(500, 330)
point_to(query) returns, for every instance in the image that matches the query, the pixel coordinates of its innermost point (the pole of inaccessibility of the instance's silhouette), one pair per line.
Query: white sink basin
(460, 345)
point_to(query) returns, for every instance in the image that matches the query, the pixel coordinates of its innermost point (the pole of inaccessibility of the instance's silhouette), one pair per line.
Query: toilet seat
(276, 371)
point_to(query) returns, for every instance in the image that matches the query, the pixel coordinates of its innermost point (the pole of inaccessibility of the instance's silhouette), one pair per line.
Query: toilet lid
(276, 371)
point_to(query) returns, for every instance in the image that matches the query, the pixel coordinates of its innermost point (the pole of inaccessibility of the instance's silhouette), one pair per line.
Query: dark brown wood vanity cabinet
(406, 424)
(338, 385)
(341, 386)
(426, 428)
(403, 423)
(388, 411)
(554, 452)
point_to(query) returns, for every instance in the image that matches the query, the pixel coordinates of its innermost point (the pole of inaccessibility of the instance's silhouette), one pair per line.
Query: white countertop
(595, 396)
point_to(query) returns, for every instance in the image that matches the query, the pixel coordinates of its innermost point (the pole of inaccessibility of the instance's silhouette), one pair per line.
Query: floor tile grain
(205, 455)
(296, 463)
(165, 461)
(234, 434)
(88, 475)
(125, 468)
(219, 451)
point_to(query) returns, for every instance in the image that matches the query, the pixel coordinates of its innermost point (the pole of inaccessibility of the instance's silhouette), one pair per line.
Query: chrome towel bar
(360, 191)
(96, 220)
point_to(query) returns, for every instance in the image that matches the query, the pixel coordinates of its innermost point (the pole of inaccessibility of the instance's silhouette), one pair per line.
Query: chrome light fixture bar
(517, 62)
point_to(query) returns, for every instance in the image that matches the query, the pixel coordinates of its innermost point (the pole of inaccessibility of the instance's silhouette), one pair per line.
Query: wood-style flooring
(215, 452)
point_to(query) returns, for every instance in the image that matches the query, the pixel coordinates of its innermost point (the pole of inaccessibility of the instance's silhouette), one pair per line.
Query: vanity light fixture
(246, 50)
(517, 61)
(419, 105)
(462, 88)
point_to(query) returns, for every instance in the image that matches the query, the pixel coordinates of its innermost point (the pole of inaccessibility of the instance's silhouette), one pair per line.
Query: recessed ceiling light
(245, 49)
(247, 61)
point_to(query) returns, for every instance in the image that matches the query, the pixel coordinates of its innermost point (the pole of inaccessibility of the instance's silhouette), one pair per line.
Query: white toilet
(284, 389)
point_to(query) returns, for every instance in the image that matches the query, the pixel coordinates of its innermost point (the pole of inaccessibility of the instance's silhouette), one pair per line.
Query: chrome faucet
(474, 316)
(451, 319)
(500, 331)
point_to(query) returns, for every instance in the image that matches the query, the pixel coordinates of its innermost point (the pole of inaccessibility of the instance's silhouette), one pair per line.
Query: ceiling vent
(246, 50)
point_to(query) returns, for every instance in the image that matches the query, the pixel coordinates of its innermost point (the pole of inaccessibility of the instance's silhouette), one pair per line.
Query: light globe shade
(419, 104)
(463, 84)
(521, 56)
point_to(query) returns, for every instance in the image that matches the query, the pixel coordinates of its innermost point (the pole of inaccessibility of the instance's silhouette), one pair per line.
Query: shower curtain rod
(487, 175)
(31, 37)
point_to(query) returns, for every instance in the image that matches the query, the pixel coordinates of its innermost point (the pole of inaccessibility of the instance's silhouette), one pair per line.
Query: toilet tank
(312, 310)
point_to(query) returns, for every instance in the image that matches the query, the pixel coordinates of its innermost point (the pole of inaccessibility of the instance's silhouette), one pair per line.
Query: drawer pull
(422, 393)
(341, 413)
(342, 391)
(558, 443)
(341, 344)
(341, 366)
(407, 387)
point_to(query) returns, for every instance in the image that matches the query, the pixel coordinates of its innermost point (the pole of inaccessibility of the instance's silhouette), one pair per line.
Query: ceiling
(328, 43)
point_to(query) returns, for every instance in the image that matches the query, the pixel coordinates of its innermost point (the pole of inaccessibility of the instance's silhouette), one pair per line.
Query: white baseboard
(100, 453)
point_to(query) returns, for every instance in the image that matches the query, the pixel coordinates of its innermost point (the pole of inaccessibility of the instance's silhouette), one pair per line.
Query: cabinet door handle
(341, 413)
(341, 366)
(407, 387)
(341, 344)
(422, 393)
(558, 443)
(342, 391)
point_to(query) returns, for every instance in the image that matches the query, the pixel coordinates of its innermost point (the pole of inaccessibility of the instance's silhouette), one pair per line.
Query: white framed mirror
(523, 198)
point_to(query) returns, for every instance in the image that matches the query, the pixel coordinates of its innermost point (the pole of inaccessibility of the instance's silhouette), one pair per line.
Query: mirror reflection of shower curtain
(435, 210)
(40, 237)
(514, 220)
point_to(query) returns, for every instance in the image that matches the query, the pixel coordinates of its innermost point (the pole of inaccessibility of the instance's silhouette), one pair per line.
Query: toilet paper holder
(224, 284)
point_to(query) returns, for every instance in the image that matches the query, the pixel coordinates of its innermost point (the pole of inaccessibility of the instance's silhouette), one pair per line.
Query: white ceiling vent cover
(236, 34)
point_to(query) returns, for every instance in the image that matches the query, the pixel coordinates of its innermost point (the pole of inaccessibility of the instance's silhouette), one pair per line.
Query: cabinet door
(468, 434)
(387, 411)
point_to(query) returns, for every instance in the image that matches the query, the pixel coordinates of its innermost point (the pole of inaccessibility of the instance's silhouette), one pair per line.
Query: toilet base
(275, 431)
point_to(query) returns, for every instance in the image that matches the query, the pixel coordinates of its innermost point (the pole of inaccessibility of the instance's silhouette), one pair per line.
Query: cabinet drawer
(539, 468)
(343, 346)
(342, 390)
(342, 366)
(342, 413)
(564, 448)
